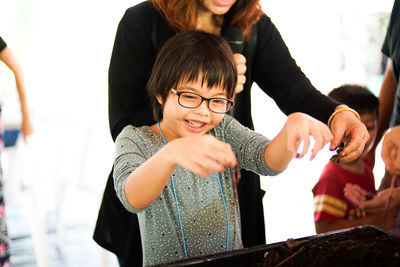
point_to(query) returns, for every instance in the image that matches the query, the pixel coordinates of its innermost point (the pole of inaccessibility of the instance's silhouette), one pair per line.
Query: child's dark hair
(183, 58)
(356, 97)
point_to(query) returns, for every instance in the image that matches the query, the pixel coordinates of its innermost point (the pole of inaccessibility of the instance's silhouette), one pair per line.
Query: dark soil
(363, 246)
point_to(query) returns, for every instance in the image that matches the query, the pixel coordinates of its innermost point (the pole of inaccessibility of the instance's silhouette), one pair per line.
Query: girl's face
(218, 7)
(179, 121)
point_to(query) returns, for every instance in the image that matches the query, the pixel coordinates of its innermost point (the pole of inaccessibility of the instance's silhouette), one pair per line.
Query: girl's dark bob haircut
(187, 57)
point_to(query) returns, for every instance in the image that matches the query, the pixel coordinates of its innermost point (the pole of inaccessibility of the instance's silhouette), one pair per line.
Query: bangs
(214, 67)
(209, 78)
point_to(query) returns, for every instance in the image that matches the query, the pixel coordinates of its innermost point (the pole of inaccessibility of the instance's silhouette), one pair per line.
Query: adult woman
(143, 30)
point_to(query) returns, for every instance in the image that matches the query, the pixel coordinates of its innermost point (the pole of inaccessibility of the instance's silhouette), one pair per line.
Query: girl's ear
(159, 99)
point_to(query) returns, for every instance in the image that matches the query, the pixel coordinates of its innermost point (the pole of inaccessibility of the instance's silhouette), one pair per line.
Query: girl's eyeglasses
(192, 100)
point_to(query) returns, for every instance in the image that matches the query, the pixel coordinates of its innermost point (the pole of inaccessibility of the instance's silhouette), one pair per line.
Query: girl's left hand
(300, 127)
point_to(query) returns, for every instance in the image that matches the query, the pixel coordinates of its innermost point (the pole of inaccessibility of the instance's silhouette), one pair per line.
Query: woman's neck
(208, 22)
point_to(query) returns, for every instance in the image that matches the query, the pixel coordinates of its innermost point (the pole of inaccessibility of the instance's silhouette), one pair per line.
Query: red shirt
(329, 200)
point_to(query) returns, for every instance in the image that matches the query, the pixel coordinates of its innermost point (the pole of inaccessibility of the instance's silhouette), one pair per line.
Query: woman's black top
(2, 44)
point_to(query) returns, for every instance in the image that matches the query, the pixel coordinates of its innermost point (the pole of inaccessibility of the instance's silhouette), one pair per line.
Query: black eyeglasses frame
(229, 106)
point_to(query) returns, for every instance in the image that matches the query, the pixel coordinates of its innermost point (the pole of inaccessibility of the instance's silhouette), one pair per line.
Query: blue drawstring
(179, 211)
(176, 202)
(226, 212)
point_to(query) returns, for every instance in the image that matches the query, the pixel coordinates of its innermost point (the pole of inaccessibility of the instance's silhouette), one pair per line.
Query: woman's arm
(386, 103)
(278, 75)
(8, 57)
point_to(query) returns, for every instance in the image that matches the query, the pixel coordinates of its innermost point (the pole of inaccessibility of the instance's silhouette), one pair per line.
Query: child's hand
(372, 204)
(300, 127)
(202, 154)
(356, 195)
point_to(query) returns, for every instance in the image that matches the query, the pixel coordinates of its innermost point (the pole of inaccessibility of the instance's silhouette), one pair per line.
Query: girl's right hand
(300, 127)
(202, 154)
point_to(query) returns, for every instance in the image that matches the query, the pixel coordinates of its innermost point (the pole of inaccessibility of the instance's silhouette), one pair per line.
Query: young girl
(176, 174)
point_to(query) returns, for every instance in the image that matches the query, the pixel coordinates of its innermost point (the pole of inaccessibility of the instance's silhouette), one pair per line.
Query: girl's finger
(293, 145)
(319, 143)
(306, 144)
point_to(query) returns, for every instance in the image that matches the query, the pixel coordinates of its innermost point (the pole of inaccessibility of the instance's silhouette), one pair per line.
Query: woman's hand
(345, 123)
(300, 127)
(241, 70)
(391, 150)
(202, 154)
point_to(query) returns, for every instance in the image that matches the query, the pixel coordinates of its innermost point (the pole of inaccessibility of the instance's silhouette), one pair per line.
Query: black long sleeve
(2, 44)
(131, 63)
(278, 75)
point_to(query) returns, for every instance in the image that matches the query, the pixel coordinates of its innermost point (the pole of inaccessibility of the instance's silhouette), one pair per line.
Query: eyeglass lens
(191, 100)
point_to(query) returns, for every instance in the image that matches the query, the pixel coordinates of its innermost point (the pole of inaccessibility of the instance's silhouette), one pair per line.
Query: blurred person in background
(8, 57)
(389, 96)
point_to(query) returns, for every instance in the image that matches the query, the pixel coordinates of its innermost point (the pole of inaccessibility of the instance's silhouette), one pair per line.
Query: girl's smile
(196, 126)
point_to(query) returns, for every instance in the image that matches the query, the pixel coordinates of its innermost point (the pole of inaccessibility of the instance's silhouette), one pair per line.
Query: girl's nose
(203, 108)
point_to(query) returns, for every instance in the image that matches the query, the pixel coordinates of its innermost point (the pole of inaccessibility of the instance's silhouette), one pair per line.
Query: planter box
(358, 246)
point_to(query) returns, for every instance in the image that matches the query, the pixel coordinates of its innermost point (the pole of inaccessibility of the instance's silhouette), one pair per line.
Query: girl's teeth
(193, 124)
